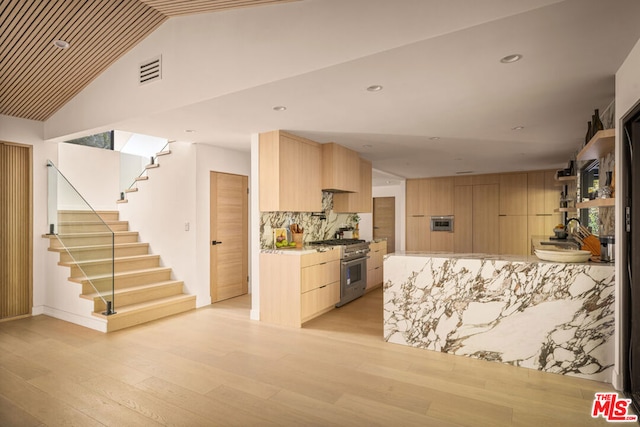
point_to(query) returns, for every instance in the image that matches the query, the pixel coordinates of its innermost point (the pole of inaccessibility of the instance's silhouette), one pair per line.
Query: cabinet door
(418, 195)
(463, 219)
(486, 226)
(319, 300)
(299, 176)
(418, 235)
(536, 193)
(441, 200)
(513, 235)
(513, 194)
(318, 275)
(441, 241)
(552, 192)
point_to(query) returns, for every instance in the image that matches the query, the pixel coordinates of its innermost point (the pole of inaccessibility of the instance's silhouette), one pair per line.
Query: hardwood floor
(213, 366)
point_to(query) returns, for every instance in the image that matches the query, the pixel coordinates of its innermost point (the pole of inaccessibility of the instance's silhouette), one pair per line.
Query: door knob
(215, 243)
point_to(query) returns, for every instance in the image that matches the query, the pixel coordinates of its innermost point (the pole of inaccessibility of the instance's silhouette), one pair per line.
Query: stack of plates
(563, 255)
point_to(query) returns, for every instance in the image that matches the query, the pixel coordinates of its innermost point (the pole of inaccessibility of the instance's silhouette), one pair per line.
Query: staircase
(144, 290)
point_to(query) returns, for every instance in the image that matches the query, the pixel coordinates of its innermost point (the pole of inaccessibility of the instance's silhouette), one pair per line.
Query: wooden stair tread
(131, 190)
(149, 305)
(122, 201)
(153, 166)
(120, 274)
(92, 222)
(104, 260)
(142, 178)
(136, 288)
(163, 153)
(93, 247)
(94, 234)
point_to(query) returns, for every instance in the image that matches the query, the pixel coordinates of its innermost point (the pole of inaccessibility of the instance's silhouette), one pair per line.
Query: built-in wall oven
(353, 267)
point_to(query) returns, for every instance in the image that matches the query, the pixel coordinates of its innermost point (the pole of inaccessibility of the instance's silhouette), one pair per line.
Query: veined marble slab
(551, 317)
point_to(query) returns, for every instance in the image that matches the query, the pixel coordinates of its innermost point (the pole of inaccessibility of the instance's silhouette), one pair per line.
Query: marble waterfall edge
(547, 316)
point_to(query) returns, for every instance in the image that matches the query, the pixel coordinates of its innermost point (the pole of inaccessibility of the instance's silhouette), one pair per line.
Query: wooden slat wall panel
(187, 7)
(16, 235)
(36, 78)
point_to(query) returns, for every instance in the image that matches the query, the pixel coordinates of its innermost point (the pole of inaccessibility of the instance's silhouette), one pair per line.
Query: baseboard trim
(617, 380)
(96, 324)
(254, 315)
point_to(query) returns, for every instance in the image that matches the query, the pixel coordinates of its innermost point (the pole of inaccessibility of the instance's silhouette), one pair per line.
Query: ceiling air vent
(150, 70)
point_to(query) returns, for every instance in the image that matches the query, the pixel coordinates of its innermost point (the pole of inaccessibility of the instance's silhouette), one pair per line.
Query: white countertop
(509, 258)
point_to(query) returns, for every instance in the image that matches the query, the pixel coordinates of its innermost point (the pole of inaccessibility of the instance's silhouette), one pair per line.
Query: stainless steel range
(353, 267)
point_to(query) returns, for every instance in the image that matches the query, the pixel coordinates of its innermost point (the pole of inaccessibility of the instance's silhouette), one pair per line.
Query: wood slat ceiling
(37, 78)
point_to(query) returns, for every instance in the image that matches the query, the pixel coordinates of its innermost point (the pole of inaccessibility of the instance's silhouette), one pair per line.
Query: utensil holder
(297, 237)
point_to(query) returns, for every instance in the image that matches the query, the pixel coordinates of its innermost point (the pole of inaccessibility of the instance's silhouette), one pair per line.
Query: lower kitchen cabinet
(514, 238)
(418, 234)
(295, 288)
(375, 264)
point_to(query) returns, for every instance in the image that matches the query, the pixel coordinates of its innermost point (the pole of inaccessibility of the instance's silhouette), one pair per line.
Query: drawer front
(317, 275)
(319, 257)
(318, 300)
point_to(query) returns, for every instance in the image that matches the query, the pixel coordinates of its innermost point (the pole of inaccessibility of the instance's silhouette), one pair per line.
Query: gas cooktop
(337, 242)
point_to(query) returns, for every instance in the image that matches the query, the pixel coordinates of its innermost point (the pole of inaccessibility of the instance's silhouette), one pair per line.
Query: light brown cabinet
(418, 196)
(543, 200)
(513, 194)
(340, 168)
(361, 201)
(297, 288)
(463, 219)
(289, 173)
(441, 197)
(375, 274)
(486, 224)
(418, 234)
(514, 239)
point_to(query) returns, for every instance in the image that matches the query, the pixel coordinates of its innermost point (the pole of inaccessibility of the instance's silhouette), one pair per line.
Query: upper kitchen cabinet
(441, 196)
(361, 201)
(340, 168)
(513, 194)
(290, 173)
(418, 194)
(543, 193)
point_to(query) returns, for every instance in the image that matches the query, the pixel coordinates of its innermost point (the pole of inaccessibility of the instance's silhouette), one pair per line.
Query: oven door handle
(354, 261)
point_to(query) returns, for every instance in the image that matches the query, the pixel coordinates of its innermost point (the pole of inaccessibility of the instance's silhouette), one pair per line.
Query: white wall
(93, 172)
(30, 132)
(627, 95)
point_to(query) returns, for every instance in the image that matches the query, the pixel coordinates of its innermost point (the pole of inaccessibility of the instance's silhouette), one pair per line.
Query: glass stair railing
(76, 225)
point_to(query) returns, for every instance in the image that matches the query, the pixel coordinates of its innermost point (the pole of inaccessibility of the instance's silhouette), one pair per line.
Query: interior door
(384, 221)
(229, 236)
(16, 252)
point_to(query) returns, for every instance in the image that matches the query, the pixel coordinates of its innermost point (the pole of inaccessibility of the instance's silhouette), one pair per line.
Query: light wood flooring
(214, 366)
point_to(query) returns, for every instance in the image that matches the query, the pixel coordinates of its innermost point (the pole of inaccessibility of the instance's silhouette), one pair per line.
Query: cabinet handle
(502, 215)
(543, 214)
(418, 216)
(323, 286)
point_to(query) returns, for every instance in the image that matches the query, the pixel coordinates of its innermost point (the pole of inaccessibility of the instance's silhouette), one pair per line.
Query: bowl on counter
(563, 255)
(560, 233)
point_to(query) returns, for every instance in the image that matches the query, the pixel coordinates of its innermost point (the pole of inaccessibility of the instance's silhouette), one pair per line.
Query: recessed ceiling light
(374, 88)
(511, 58)
(518, 128)
(367, 146)
(279, 108)
(189, 131)
(434, 138)
(61, 44)
(388, 182)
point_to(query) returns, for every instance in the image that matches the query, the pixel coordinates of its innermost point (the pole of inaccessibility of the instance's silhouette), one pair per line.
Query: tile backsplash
(315, 228)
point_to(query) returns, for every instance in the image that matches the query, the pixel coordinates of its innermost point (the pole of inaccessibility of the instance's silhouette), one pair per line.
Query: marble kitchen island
(553, 317)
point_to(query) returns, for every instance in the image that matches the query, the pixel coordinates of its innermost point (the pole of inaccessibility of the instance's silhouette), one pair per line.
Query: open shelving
(602, 143)
(597, 203)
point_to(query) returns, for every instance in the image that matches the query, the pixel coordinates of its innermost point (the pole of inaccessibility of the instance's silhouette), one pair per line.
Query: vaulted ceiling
(37, 78)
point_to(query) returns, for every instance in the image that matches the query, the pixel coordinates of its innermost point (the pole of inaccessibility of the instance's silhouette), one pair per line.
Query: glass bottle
(588, 136)
(597, 123)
